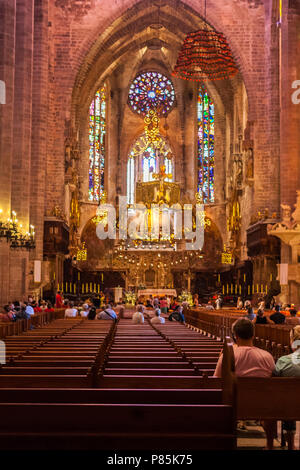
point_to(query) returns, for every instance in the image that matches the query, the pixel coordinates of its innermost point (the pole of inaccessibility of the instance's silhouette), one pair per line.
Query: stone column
(39, 123)
(22, 182)
(7, 73)
(290, 112)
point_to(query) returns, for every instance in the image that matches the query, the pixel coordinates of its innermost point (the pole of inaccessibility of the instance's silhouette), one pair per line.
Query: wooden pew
(110, 426)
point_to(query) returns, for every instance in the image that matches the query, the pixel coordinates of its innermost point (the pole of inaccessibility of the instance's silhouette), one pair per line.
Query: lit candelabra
(14, 233)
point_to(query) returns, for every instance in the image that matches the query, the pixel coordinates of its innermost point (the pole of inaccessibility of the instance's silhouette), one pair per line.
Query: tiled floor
(253, 437)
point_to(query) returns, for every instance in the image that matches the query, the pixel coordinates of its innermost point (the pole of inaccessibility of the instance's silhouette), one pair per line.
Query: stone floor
(253, 437)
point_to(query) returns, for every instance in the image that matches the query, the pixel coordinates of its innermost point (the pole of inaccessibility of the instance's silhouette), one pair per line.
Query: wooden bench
(110, 426)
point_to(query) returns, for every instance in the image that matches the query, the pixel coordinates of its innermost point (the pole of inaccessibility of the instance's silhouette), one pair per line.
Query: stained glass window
(144, 160)
(206, 149)
(151, 90)
(97, 130)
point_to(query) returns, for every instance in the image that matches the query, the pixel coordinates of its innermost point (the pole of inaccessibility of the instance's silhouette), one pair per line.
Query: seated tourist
(85, 310)
(250, 313)
(28, 309)
(250, 361)
(43, 306)
(107, 314)
(174, 304)
(239, 304)
(92, 313)
(177, 315)
(157, 318)
(292, 320)
(138, 316)
(289, 366)
(277, 317)
(209, 306)
(70, 312)
(149, 304)
(262, 319)
(140, 305)
(49, 307)
(8, 315)
(36, 307)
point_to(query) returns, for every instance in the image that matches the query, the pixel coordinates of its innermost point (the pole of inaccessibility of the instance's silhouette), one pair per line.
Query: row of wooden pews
(148, 396)
(37, 320)
(62, 354)
(200, 350)
(272, 338)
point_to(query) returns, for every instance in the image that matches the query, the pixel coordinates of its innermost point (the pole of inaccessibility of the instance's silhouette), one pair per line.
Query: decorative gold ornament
(81, 254)
(152, 128)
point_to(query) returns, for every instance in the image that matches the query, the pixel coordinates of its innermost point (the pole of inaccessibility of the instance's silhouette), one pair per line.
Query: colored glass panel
(151, 90)
(205, 158)
(97, 131)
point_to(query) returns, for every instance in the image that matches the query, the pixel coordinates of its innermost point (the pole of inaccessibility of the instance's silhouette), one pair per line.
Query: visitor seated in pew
(85, 310)
(107, 314)
(28, 309)
(71, 312)
(140, 305)
(289, 366)
(209, 306)
(92, 313)
(277, 317)
(250, 361)
(138, 316)
(157, 318)
(8, 315)
(49, 307)
(261, 318)
(177, 315)
(292, 319)
(250, 313)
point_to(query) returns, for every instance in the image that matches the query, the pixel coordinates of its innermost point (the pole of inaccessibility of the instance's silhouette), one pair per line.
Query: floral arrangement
(130, 297)
(187, 297)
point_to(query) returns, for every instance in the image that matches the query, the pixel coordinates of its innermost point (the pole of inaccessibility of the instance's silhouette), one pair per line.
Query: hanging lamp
(205, 55)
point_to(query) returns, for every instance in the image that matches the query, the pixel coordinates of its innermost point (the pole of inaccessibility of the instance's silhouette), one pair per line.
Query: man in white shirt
(71, 312)
(107, 314)
(138, 316)
(157, 318)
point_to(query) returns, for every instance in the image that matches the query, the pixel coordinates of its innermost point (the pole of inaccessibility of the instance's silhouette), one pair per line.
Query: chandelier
(205, 55)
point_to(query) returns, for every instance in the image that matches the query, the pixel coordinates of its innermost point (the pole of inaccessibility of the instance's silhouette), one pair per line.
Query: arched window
(97, 131)
(144, 160)
(206, 149)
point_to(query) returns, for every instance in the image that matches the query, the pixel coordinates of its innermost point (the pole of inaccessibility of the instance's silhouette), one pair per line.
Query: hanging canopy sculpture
(205, 55)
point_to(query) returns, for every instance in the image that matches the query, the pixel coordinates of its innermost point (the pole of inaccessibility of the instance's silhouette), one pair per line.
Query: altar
(157, 292)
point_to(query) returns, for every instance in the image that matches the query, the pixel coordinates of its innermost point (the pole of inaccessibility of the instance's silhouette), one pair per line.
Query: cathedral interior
(98, 108)
(149, 179)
